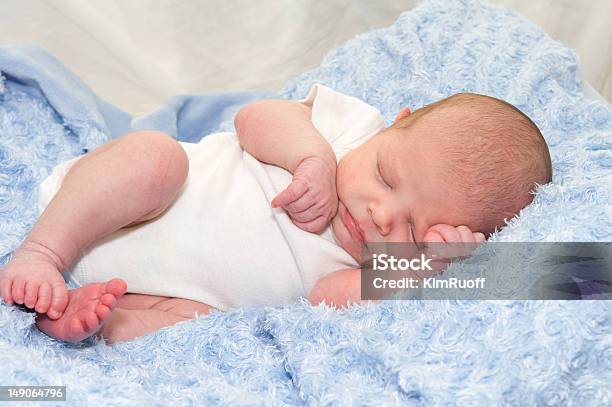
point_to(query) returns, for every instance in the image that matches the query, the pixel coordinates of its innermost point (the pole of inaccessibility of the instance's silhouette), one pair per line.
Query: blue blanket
(397, 352)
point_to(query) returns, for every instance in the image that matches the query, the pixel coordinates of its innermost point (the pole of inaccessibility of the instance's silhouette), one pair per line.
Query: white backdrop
(137, 53)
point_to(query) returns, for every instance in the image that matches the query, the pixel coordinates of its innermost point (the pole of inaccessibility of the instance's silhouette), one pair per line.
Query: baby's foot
(32, 278)
(88, 308)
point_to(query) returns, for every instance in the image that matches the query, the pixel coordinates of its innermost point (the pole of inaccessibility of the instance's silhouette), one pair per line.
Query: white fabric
(137, 54)
(220, 242)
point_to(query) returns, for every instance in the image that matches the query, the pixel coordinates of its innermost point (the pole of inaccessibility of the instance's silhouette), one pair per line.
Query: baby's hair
(493, 153)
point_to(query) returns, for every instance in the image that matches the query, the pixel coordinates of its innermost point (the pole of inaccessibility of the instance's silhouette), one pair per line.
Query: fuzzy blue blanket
(395, 353)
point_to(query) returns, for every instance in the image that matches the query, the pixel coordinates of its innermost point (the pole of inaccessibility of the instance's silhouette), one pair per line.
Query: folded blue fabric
(397, 352)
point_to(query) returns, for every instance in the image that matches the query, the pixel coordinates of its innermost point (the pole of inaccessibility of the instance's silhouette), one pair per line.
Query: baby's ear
(405, 112)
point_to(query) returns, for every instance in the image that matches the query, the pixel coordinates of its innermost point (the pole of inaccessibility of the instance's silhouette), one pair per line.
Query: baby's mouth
(352, 227)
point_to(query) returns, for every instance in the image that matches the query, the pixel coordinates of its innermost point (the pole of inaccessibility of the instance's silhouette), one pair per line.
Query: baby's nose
(382, 219)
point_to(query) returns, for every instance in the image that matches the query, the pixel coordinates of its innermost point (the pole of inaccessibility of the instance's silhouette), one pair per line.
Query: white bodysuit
(220, 242)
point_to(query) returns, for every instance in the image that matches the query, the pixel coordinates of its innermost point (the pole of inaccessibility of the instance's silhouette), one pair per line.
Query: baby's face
(392, 190)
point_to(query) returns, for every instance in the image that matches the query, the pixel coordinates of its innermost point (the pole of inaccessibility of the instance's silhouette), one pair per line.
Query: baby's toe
(59, 300)
(31, 293)
(75, 328)
(92, 323)
(5, 290)
(103, 312)
(116, 287)
(109, 300)
(18, 290)
(44, 298)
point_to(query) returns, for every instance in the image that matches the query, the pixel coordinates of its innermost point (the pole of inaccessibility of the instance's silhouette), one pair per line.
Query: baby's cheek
(340, 186)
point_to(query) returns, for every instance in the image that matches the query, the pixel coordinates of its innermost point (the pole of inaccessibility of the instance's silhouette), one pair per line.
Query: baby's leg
(140, 301)
(130, 180)
(147, 313)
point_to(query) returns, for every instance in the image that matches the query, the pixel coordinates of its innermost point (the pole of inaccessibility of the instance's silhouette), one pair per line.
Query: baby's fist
(442, 233)
(439, 236)
(310, 199)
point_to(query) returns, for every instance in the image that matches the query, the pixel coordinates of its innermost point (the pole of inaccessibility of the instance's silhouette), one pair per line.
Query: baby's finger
(294, 191)
(5, 290)
(433, 236)
(44, 298)
(479, 237)
(314, 226)
(468, 237)
(310, 214)
(466, 234)
(431, 243)
(59, 300)
(303, 203)
(448, 233)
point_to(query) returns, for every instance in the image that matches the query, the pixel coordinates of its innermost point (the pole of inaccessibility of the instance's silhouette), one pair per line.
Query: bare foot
(88, 308)
(32, 278)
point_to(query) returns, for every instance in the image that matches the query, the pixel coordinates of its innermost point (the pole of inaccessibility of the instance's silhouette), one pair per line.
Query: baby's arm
(338, 288)
(280, 132)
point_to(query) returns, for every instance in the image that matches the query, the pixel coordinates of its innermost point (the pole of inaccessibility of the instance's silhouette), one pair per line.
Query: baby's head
(468, 159)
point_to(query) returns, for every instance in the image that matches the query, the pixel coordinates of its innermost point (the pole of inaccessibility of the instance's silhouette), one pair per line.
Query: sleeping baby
(155, 231)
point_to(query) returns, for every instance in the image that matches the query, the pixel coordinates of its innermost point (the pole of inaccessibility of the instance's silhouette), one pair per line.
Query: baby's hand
(310, 199)
(442, 233)
(465, 241)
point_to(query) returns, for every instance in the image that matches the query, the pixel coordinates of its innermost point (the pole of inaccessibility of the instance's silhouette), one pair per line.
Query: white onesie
(220, 242)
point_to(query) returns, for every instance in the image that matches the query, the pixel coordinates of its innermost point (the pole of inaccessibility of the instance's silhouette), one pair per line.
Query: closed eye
(380, 176)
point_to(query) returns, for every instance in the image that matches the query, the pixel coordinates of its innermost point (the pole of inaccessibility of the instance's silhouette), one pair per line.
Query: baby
(155, 231)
